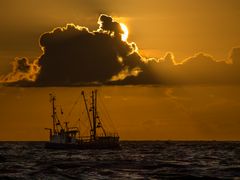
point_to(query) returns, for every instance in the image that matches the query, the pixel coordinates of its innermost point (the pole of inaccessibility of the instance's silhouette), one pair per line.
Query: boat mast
(94, 110)
(85, 102)
(52, 100)
(95, 113)
(97, 117)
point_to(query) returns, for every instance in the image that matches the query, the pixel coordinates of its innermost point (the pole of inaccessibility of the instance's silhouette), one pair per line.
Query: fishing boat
(66, 137)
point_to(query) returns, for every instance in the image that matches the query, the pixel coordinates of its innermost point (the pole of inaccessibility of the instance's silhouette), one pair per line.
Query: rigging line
(102, 125)
(59, 121)
(86, 107)
(73, 106)
(103, 114)
(84, 127)
(83, 122)
(79, 119)
(107, 114)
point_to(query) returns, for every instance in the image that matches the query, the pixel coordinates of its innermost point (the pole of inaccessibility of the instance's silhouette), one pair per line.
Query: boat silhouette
(65, 137)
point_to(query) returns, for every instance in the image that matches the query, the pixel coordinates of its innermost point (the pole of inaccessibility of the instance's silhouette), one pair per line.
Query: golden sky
(138, 113)
(157, 26)
(177, 111)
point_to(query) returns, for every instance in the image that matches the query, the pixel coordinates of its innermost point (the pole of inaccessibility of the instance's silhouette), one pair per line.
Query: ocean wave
(135, 160)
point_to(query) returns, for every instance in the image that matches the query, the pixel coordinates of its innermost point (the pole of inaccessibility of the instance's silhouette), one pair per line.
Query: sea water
(135, 160)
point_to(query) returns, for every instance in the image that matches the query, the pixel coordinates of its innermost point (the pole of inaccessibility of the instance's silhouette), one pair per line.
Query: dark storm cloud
(73, 55)
(198, 69)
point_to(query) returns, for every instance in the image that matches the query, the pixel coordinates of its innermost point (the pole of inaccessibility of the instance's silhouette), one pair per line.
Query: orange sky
(140, 112)
(157, 26)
